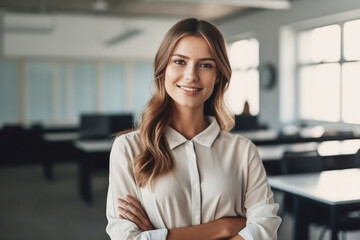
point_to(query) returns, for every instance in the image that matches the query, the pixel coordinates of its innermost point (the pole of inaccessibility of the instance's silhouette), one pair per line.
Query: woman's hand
(232, 226)
(132, 210)
(236, 237)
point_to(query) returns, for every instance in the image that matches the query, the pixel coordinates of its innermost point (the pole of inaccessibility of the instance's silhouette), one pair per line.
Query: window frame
(340, 20)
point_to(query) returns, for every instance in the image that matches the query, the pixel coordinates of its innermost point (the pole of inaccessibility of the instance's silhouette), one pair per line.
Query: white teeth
(189, 89)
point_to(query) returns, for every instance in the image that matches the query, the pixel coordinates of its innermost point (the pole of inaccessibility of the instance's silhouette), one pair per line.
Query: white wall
(265, 26)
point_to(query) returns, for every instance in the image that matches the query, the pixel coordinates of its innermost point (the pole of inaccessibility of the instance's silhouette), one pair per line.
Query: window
(59, 91)
(39, 97)
(244, 83)
(9, 91)
(328, 69)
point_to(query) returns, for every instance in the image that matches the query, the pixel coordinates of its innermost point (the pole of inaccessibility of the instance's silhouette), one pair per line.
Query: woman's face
(190, 75)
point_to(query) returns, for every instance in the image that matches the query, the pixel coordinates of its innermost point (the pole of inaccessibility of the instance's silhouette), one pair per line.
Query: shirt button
(196, 187)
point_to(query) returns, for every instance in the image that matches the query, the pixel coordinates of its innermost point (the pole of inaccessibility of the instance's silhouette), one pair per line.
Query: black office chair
(307, 162)
(246, 122)
(103, 126)
(301, 162)
(13, 149)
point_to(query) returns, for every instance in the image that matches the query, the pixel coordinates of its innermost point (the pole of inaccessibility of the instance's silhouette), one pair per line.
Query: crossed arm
(223, 228)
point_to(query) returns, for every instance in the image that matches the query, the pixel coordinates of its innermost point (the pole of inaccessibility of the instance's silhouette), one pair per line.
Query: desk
(335, 154)
(260, 135)
(301, 135)
(93, 156)
(59, 144)
(336, 190)
(325, 149)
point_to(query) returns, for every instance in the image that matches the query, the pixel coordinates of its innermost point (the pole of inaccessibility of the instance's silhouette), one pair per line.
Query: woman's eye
(206, 65)
(181, 62)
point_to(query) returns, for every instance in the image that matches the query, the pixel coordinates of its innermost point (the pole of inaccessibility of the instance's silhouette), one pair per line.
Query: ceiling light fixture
(100, 6)
(124, 36)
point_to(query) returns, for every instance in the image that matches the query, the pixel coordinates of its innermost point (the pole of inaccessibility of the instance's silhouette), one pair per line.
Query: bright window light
(244, 54)
(303, 47)
(350, 92)
(244, 83)
(319, 92)
(244, 86)
(328, 85)
(325, 44)
(352, 40)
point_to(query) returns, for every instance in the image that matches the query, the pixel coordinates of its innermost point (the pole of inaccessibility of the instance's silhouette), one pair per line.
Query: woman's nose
(191, 73)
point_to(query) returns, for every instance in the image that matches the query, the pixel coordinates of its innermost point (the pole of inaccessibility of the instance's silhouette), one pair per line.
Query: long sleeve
(261, 211)
(121, 183)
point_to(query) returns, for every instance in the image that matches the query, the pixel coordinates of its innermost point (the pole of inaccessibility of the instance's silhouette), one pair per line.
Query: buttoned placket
(195, 183)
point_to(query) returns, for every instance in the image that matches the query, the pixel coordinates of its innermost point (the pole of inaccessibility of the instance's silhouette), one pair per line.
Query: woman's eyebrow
(201, 59)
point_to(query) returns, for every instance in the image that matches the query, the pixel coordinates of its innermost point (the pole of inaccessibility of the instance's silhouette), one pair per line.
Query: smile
(190, 89)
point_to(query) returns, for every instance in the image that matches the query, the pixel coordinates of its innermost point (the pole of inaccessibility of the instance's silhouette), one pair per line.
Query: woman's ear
(218, 77)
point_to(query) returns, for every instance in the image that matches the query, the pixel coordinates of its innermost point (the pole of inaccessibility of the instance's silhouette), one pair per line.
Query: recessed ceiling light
(100, 5)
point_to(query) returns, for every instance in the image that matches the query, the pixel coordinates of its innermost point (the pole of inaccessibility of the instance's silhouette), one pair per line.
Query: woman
(181, 175)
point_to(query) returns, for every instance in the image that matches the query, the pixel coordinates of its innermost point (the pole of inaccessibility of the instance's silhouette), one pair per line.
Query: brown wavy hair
(155, 159)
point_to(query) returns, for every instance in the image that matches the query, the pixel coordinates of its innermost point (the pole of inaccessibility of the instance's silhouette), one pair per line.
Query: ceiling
(206, 9)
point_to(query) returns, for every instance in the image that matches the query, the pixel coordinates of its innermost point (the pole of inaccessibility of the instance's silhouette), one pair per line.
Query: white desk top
(275, 152)
(327, 148)
(94, 145)
(330, 187)
(63, 136)
(261, 135)
(331, 148)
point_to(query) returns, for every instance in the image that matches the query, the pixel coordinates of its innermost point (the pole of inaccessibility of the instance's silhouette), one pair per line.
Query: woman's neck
(189, 123)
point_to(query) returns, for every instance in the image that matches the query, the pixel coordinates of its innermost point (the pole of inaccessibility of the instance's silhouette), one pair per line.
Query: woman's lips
(189, 89)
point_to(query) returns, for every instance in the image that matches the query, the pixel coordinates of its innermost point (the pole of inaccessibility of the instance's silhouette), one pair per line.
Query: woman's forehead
(193, 46)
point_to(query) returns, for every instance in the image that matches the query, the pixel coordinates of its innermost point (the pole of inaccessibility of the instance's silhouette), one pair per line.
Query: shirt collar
(205, 138)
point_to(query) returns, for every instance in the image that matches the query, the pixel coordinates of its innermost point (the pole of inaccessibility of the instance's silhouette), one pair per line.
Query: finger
(129, 215)
(137, 204)
(132, 208)
(122, 202)
(135, 208)
(126, 214)
(122, 212)
(143, 216)
(139, 217)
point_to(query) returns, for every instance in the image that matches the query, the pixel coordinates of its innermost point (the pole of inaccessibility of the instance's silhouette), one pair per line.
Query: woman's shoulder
(236, 137)
(127, 138)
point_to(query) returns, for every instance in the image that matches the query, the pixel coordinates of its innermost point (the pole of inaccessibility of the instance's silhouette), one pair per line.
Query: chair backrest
(357, 159)
(100, 126)
(342, 161)
(301, 162)
(246, 122)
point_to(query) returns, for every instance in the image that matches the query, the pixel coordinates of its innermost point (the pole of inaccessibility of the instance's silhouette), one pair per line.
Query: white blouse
(216, 174)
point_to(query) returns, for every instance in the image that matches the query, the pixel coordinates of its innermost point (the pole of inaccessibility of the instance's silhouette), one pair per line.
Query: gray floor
(32, 208)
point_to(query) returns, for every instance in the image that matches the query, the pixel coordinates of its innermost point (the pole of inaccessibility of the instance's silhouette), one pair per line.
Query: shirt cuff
(246, 234)
(158, 234)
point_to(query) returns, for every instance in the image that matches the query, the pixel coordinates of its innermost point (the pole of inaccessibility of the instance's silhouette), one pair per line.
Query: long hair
(155, 159)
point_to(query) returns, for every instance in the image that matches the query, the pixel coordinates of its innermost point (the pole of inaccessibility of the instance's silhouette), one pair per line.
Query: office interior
(73, 75)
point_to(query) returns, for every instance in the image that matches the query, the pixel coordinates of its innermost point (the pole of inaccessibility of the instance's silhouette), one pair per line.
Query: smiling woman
(181, 174)
(191, 74)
